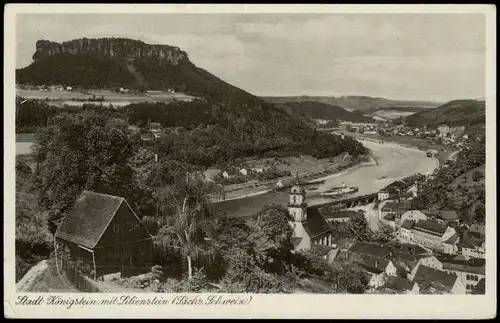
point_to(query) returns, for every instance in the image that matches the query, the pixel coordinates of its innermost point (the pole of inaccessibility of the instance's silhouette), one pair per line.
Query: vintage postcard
(250, 161)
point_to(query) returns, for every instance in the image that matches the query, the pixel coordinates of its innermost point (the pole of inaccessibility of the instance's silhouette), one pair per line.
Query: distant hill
(454, 113)
(222, 124)
(318, 110)
(363, 103)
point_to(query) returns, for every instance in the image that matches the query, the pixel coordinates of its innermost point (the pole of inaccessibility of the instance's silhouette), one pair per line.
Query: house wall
(432, 262)
(390, 270)
(426, 239)
(126, 245)
(415, 289)
(458, 288)
(376, 281)
(414, 215)
(473, 252)
(450, 249)
(448, 233)
(468, 279)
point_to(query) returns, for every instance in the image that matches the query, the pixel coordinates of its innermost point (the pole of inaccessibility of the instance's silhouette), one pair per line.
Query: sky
(437, 57)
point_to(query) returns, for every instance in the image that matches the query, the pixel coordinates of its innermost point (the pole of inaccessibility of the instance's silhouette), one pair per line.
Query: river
(394, 162)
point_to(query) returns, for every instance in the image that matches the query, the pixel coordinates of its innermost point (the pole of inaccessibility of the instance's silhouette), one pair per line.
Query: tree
(384, 234)
(477, 175)
(182, 215)
(81, 151)
(358, 227)
(271, 238)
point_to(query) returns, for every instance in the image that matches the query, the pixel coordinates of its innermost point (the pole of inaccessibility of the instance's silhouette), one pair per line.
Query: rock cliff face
(113, 48)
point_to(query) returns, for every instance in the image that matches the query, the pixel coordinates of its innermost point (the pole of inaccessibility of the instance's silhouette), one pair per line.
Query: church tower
(297, 208)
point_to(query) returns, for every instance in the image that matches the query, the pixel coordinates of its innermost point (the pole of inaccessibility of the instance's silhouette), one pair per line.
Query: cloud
(418, 55)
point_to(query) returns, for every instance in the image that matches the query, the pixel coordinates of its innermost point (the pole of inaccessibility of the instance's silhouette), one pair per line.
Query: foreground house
(101, 234)
(470, 271)
(378, 269)
(428, 233)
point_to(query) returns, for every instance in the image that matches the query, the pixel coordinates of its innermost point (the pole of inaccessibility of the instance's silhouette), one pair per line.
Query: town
(137, 171)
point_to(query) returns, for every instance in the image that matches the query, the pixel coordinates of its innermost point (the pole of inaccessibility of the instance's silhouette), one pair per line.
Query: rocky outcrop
(113, 48)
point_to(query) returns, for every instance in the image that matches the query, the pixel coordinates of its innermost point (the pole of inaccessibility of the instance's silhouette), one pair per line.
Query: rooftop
(407, 224)
(439, 279)
(395, 206)
(448, 215)
(339, 214)
(88, 219)
(373, 264)
(315, 224)
(372, 249)
(430, 225)
(390, 217)
(399, 283)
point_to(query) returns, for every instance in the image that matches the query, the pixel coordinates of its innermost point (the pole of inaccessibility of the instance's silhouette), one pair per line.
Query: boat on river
(340, 191)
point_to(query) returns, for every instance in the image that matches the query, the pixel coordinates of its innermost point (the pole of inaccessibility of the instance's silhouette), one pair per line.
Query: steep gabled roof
(407, 224)
(365, 248)
(315, 224)
(399, 283)
(85, 223)
(373, 264)
(430, 226)
(439, 279)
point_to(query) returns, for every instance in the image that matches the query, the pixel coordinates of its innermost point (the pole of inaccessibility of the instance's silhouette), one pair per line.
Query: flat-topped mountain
(228, 123)
(120, 62)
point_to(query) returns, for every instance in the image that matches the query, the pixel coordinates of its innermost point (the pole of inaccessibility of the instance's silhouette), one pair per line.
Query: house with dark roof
(470, 271)
(472, 244)
(448, 216)
(101, 234)
(402, 284)
(439, 280)
(480, 288)
(377, 268)
(430, 233)
(372, 249)
(398, 207)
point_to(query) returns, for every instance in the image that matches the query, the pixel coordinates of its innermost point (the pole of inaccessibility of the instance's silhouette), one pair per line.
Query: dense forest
(453, 113)
(467, 197)
(209, 133)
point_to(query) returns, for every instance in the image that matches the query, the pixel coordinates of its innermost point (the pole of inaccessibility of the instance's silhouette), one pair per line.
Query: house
(309, 225)
(430, 233)
(405, 229)
(69, 88)
(156, 133)
(450, 245)
(470, 271)
(402, 284)
(211, 174)
(383, 195)
(373, 249)
(480, 288)
(340, 216)
(230, 173)
(412, 190)
(413, 215)
(443, 129)
(439, 280)
(394, 207)
(378, 269)
(448, 216)
(390, 220)
(472, 244)
(479, 228)
(429, 261)
(155, 126)
(101, 234)
(243, 172)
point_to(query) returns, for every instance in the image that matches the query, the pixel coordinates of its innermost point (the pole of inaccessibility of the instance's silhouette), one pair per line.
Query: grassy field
(466, 179)
(61, 97)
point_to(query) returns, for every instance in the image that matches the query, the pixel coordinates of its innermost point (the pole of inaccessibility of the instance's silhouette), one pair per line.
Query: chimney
(156, 158)
(376, 263)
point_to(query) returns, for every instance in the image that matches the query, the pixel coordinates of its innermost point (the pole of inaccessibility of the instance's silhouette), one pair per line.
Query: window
(294, 200)
(468, 277)
(116, 228)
